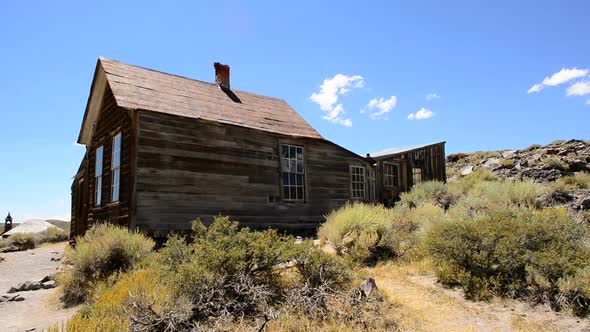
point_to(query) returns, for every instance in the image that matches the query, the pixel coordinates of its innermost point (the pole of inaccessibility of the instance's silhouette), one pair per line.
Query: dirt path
(421, 304)
(41, 308)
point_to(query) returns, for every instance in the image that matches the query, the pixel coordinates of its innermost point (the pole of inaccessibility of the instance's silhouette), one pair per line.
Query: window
(357, 177)
(116, 168)
(98, 176)
(391, 175)
(293, 172)
(417, 175)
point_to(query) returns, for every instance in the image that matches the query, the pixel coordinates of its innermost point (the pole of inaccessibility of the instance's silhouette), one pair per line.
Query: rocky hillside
(564, 166)
(540, 163)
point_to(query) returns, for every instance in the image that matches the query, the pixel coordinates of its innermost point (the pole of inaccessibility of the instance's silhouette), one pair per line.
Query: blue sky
(479, 58)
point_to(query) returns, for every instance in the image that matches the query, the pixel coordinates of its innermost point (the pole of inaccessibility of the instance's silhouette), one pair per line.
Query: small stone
(49, 284)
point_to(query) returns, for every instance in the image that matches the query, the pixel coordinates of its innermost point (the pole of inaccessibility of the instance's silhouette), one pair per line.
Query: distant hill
(65, 225)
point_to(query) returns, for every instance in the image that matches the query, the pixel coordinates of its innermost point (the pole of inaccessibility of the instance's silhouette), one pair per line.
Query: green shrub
(555, 163)
(580, 180)
(22, 241)
(53, 234)
(104, 251)
(507, 163)
(359, 231)
(429, 192)
(470, 181)
(317, 268)
(514, 252)
(557, 142)
(576, 291)
(456, 157)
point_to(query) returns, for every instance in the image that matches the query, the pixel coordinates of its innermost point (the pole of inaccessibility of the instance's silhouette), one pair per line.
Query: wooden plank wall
(188, 169)
(432, 164)
(112, 119)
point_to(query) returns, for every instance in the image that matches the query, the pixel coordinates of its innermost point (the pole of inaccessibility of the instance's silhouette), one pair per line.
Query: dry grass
(420, 304)
(419, 308)
(519, 323)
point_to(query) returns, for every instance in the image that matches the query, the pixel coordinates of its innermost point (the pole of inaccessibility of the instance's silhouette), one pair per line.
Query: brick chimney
(222, 75)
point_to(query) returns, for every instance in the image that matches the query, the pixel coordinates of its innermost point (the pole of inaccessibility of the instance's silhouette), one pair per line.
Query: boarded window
(293, 171)
(391, 175)
(416, 175)
(116, 168)
(98, 176)
(358, 183)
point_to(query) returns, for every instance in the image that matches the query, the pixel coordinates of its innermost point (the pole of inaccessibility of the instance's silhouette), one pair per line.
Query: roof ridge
(101, 58)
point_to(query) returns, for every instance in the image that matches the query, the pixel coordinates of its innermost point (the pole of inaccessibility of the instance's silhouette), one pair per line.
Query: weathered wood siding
(188, 169)
(430, 159)
(111, 121)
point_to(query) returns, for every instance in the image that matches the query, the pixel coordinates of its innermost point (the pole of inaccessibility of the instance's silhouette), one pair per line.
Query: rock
(33, 285)
(508, 154)
(11, 298)
(584, 203)
(467, 170)
(368, 289)
(49, 284)
(46, 278)
(55, 259)
(492, 163)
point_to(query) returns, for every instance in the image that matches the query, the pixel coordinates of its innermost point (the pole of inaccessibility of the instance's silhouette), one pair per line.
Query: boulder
(467, 170)
(49, 284)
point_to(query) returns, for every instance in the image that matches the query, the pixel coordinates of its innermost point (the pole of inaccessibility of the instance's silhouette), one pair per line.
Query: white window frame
(391, 180)
(98, 165)
(292, 172)
(116, 168)
(414, 173)
(358, 177)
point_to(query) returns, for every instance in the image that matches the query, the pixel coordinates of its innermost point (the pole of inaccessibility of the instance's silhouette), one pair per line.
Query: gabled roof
(140, 88)
(396, 151)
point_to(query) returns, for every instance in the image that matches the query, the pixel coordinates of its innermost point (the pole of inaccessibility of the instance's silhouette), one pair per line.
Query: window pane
(285, 151)
(292, 179)
(292, 152)
(285, 165)
(300, 192)
(286, 192)
(292, 165)
(300, 153)
(285, 179)
(293, 192)
(299, 178)
(299, 166)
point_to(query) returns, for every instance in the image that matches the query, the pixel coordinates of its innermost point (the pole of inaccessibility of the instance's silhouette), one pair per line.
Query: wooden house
(163, 150)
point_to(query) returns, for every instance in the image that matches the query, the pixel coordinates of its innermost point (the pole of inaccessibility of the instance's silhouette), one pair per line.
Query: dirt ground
(422, 304)
(41, 308)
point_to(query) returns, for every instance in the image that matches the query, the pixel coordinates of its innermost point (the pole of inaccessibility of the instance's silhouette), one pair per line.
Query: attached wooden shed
(398, 169)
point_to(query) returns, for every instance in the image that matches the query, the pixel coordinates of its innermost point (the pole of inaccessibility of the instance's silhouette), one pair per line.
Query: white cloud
(327, 98)
(422, 114)
(535, 88)
(382, 105)
(579, 89)
(588, 101)
(431, 96)
(562, 76)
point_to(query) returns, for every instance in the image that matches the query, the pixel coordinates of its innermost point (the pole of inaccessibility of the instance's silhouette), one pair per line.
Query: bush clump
(104, 251)
(434, 192)
(229, 278)
(361, 231)
(26, 241)
(520, 253)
